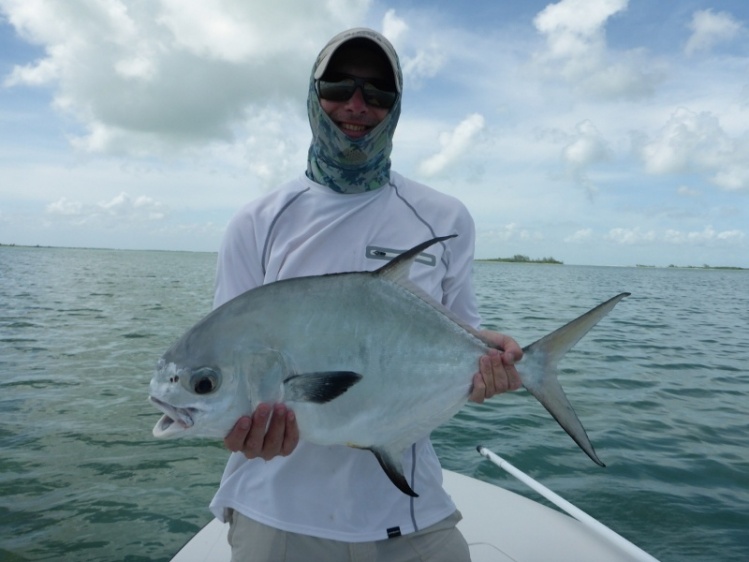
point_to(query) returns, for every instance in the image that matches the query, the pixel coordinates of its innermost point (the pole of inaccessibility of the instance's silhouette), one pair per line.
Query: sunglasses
(340, 87)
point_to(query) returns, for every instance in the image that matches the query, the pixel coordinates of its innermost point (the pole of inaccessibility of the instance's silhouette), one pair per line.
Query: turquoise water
(661, 385)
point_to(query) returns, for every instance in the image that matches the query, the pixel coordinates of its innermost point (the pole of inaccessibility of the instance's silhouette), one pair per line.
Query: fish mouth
(174, 421)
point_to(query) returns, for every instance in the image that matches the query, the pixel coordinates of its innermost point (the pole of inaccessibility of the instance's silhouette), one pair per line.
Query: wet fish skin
(364, 359)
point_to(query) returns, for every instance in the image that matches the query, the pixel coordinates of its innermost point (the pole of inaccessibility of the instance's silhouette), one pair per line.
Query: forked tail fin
(538, 371)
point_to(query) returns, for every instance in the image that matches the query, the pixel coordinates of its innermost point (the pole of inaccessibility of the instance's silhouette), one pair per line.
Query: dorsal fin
(397, 268)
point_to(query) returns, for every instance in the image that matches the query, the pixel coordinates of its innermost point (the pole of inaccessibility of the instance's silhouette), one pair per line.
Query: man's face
(354, 116)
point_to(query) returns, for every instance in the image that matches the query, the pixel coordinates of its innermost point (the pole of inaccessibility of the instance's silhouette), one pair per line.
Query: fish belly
(416, 363)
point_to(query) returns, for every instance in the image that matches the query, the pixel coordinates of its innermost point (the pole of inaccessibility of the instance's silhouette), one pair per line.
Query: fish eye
(204, 381)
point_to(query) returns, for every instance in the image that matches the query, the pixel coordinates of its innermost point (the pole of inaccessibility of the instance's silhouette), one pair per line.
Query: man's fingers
(291, 436)
(478, 392)
(274, 437)
(253, 443)
(234, 441)
(270, 431)
(490, 367)
(513, 378)
(497, 374)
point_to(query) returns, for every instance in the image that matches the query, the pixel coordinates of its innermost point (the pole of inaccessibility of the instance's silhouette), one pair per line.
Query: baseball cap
(326, 55)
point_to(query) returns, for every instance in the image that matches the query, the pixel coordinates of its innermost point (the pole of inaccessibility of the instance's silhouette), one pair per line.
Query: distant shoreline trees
(519, 258)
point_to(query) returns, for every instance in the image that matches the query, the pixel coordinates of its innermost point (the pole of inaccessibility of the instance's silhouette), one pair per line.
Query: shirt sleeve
(239, 266)
(458, 293)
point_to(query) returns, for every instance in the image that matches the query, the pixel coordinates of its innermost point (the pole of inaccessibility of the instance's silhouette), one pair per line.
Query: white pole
(563, 504)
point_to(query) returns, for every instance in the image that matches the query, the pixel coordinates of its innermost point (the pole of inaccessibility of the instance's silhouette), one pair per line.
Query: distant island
(518, 258)
(705, 266)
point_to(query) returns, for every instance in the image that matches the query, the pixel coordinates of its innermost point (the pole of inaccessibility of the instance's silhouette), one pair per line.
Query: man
(291, 500)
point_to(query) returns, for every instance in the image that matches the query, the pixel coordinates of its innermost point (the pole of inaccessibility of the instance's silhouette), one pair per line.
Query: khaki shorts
(254, 542)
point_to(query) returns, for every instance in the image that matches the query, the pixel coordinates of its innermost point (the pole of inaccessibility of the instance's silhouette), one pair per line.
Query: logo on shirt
(387, 254)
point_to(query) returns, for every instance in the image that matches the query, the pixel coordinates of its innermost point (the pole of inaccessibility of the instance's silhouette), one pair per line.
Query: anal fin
(392, 466)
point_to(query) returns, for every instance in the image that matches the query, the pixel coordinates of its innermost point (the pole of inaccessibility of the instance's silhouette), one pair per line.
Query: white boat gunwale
(499, 526)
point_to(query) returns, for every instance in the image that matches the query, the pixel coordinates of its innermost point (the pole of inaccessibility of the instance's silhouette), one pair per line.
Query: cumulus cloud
(629, 236)
(695, 142)
(709, 29)
(582, 235)
(574, 27)
(511, 232)
(577, 52)
(454, 145)
(421, 57)
(66, 208)
(708, 234)
(120, 210)
(585, 147)
(393, 27)
(636, 236)
(272, 152)
(686, 191)
(171, 73)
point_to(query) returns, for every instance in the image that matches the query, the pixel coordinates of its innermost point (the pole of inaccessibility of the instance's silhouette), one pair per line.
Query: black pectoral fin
(392, 466)
(319, 387)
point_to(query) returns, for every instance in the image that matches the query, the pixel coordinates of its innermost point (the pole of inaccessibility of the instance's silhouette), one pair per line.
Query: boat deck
(499, 525)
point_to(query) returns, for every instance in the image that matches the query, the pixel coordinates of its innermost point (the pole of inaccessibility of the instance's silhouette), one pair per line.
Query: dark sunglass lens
(378, 98)
(336, 91)
(343, 88)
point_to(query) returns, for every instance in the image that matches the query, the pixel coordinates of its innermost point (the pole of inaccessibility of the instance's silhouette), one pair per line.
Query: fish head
(198, 399)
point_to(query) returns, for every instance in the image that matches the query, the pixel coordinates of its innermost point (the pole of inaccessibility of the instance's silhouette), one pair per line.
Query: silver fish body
(363, 359)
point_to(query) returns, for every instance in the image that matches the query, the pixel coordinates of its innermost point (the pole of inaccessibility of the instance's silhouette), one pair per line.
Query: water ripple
(660, 386)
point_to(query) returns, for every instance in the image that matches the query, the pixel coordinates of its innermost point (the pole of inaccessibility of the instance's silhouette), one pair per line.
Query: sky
(596, 132)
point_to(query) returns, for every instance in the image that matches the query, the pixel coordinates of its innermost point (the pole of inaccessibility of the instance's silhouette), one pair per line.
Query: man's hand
(249, 434)
(497, 372)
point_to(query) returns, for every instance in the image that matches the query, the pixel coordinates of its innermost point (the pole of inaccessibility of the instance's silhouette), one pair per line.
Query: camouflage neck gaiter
(344, 164)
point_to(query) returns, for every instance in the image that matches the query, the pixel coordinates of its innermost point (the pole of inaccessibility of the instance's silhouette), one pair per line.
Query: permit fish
(364, 359)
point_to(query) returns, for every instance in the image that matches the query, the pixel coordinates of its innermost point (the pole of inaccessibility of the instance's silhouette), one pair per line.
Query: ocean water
(661, 384)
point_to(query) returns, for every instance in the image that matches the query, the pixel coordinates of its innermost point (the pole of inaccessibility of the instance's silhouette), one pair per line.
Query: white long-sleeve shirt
(302, 229)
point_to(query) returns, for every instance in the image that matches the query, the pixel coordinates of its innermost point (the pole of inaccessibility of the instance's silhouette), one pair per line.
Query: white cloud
(139, 209)
(39, 74)
(237, 31)
(169, 74)
(454, 145)
(575, 27)
(123, 208)
(393, 27)
(582, 235)
(581, 149)
(734, 176)
(709, 29)
(64, 207)
(628, 236)
(692, 142)
(636, 236)
(422, 56)
(510, 232)
(707, 235)
(586, 147)
(577, 52)
(272, 152)
(686, 191)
